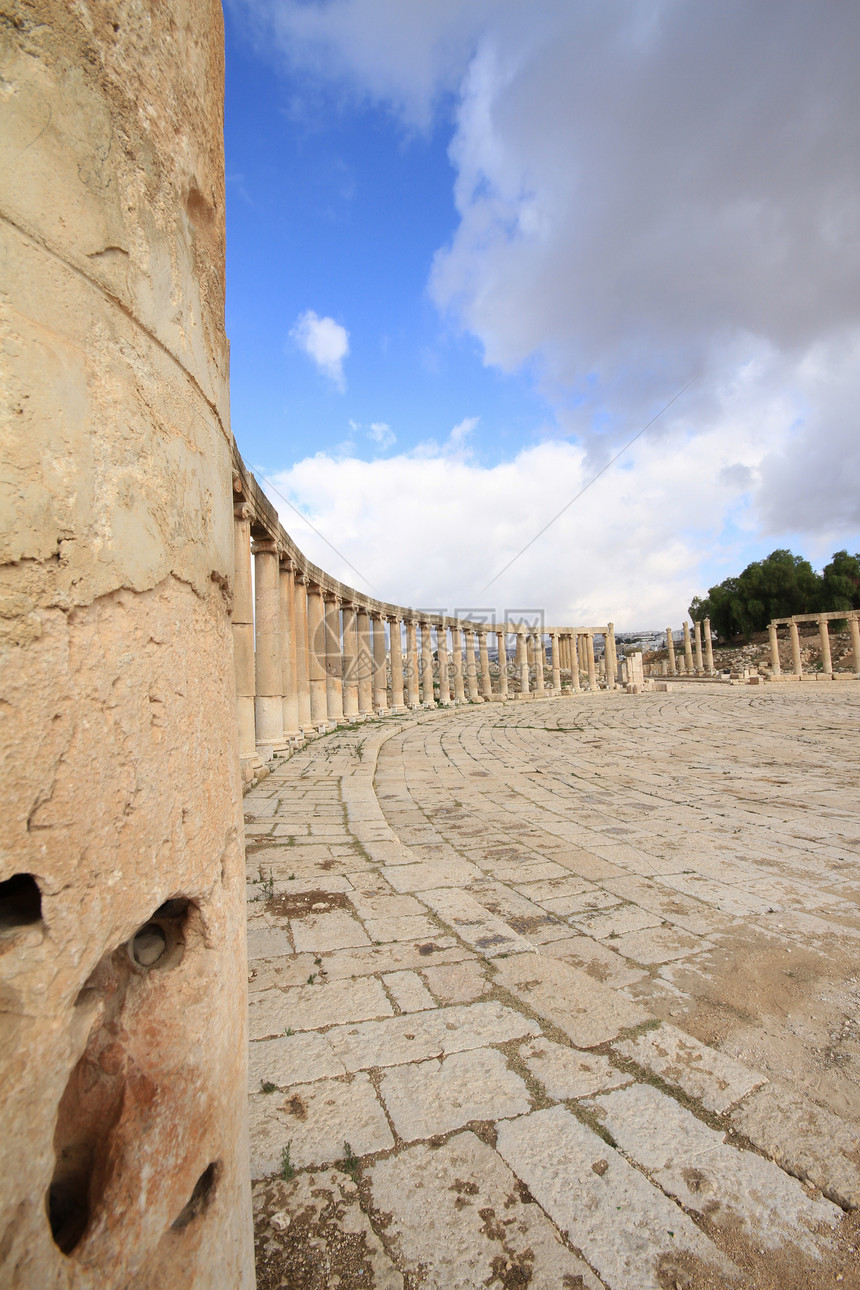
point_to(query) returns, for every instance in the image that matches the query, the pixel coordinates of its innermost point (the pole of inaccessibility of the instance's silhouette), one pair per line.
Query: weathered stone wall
(122, 1060)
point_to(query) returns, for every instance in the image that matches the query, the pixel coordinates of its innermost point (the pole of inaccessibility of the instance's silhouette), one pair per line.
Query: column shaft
(288, 649)
(269, 703)
(589, 661)
(486, 683)
(471, 669)
(395, 649)
(365, 678)
(611, 656)
(502, 643)
(457, 652)
(523, 660)
(796, 660)
(333, 660)
(824, 637)
(243, 632)
(303, 688)
(316, 656)
(854, 624)
(670, 646)
(444, 678)
(709, 647)
(427, 697)
(688, 649)
(413, 699)
(350, 663)
(774, 649)
(556, 662)
(380, 686)
(540, 662)
(697, 636)
(574, 661)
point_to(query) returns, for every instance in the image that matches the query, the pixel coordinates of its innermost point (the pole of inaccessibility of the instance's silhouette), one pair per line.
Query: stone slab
(335, 930)
(653, 945)
(733, 1189)
(457, 982)
(315, 1120)
(709, 1076)
(493, 1234)
(596, 960)
(408, 991)
(421, 1035)
(630, 1233)
(614, 922)
(567, 1073)
(805, 1139)
(310, 1006)
(589, 1013)
(484, 932)
(425, 875)
(436, 1096)
(291, 1058)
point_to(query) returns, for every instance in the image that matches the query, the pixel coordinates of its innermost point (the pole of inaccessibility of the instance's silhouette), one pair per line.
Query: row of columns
(703, 666)
(824, 639)
(305, 659)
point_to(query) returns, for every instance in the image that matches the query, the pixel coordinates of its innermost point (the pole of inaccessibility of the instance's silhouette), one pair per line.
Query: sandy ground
(562, 993)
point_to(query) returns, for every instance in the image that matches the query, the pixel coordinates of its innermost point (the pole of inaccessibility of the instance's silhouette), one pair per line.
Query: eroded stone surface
(314, 1121)
(566, 1072)
(715, 1080)
(587, 1011)
(426, 1098)
(461, 1219)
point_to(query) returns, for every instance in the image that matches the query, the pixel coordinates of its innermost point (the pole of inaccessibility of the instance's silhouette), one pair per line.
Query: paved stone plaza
(561, 993)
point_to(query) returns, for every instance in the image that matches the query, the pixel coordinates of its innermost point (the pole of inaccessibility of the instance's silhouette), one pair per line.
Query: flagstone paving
(561, 994)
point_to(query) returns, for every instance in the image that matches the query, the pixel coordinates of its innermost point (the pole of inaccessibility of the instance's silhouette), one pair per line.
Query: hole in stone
(201, 1197)
(160, 942)
(20, 902)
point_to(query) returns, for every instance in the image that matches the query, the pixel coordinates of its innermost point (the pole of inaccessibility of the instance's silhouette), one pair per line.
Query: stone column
(350, 663)
(556, 662)
(540, 662)
(670, 646)
(444, 678)
(288, 649)
(395, 649)
(574, 661)
(774, 649)
(316, 656)
(610, 654)
(457, 651)
(303, 688)
(824, 637)
(589, 660)
(471, 669)
(486, 682)
(501, 641)
(243, 634)
(365, 680)
(709, 647)
(697, 635)
(380, 687)
(427, 696)
(688, 648)
(523, 660)
(269, 703)
(796, 660)
(413, 698)
(854, 625)
(333, 659)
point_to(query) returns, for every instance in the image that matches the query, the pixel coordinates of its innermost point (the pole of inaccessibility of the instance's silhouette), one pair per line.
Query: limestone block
(491, 1229)
(704, 1073)
(587, 1011)
(436, 1096)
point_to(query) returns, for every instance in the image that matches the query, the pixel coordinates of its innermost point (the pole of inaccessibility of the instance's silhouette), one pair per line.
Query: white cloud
(382, 434)
(644, 192)
(323, 340)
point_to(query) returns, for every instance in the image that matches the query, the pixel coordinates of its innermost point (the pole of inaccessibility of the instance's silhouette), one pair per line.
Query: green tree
(780, 585)
(841, 582)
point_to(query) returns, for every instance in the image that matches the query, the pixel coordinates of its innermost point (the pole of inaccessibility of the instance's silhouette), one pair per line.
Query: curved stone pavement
(576, 979)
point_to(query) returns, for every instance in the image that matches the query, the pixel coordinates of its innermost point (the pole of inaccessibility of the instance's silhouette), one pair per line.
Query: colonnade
(852, 616)
(681, 662)
(311, 652)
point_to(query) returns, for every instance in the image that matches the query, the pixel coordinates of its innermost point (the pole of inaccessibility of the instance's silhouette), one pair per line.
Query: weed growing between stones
(266, 1086)
(288, 1170)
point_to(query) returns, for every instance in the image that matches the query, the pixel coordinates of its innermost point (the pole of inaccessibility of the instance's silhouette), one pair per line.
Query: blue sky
(474, 247)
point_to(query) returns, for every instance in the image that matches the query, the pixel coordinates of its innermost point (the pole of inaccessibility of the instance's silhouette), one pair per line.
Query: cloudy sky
(476, 246)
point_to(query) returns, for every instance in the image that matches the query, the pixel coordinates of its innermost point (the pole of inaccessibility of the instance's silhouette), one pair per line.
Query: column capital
(243, 511)
(331, 597)
(264, 546)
